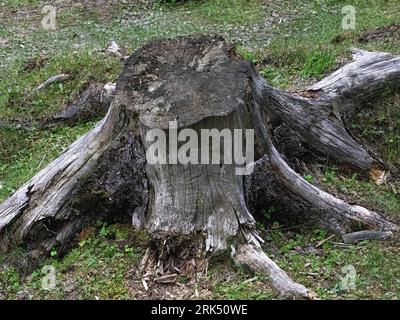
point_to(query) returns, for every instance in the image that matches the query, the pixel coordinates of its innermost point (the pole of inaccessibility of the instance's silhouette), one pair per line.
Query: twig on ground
(57, 78)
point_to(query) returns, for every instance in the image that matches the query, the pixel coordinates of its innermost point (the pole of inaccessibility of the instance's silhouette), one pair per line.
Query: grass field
(292, 43)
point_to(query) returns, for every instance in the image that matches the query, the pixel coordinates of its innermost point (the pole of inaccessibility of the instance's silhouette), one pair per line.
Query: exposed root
(318, 124)
(379, 33)
(319, 114)
(335, 213)
(253, 257)
(85, 181)
(92, 103)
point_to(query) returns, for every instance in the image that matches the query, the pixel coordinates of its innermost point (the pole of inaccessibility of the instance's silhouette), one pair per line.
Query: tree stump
(175, 90)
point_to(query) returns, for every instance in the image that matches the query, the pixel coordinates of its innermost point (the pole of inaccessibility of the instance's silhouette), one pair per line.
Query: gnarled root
(335, 213)
(254, 258)
(318, 115)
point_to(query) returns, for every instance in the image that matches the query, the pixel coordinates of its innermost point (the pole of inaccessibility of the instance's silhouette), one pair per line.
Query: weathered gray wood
(336, 213)
(93, 103)
(254, 258)
(57, 78)
(358, 82)
(318, 114)
(191, 211)
(358, 236)
(85, 183)
(198, 83)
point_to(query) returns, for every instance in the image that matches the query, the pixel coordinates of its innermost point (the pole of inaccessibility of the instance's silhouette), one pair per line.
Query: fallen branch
(358, 236)
(58, 78)
(320, 243)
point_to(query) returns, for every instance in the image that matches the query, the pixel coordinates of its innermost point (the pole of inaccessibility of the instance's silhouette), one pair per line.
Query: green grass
(95, 269)
(15, 4)
(385, 197)
(316, 63)
(244, 288)
(379, 123)
(307, 47)
(99, 268)
(375, 263)
(20, 100)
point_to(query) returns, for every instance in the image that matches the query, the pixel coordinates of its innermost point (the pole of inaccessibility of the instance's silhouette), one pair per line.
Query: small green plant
(247, 54)
(104, 231)
(10, 280)
(269, 212)
(309, 178)
(128, 248)
(330, 175)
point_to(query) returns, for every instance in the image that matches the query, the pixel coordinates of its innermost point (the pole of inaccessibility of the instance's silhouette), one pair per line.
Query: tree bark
(194, 211)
